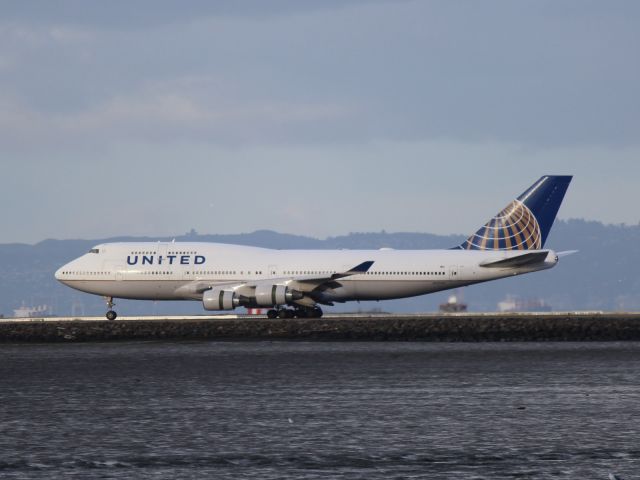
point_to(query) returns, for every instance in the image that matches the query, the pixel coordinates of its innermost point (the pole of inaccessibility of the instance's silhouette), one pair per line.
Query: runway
(462, 327)
(334, 316)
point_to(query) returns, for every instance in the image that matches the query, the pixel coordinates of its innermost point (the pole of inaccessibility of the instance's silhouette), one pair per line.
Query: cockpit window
(94, 250)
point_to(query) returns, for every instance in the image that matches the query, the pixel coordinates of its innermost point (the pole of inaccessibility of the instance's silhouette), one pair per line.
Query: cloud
(238, 72)
(311, 117)
(158, 114)
(168, 188)
(125, 14)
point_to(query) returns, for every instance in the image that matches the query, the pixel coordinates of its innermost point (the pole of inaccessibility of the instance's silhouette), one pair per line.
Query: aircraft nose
(60, 273)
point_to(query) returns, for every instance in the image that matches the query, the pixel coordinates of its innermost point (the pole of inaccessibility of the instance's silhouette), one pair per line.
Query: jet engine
(219, 299)
(274, 295)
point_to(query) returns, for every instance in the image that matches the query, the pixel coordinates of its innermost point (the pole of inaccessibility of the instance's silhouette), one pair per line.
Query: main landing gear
(111, 315)
(301, 312)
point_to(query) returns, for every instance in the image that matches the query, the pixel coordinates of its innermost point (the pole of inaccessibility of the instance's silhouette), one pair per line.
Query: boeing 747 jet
(298, 282)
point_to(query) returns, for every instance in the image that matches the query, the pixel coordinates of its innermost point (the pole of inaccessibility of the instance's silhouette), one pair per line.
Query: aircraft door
(272, 271)
(162, 251)
(453, 273)
(115, 271)
(119, 269)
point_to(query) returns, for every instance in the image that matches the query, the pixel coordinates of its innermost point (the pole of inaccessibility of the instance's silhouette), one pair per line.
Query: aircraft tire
(111, 315)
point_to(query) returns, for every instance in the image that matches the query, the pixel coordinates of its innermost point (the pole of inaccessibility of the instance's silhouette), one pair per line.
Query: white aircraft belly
(130, 289)
(390, 289)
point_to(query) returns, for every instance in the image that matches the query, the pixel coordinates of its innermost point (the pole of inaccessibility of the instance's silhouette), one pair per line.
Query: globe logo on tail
(514, 228)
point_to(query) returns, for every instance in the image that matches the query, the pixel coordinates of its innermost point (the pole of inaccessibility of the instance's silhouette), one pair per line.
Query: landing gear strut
(111, 315)
(300, 312)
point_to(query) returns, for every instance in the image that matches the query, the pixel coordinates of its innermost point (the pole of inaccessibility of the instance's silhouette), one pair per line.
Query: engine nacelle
(274, 295)
(219, 299)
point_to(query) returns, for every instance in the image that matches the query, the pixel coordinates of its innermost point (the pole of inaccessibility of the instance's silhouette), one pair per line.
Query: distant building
(31, 312)
(513, 303)
(77, 309)
(454, 304)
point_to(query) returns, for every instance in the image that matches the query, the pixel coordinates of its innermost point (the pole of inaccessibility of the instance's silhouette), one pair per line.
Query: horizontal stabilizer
(567, 253)
(518, 261)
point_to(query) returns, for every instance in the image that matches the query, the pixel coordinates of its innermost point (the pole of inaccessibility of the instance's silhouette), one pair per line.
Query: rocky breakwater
(430, 327)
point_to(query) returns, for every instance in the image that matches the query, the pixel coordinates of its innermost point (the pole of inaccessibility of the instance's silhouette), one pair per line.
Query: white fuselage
(182, 271)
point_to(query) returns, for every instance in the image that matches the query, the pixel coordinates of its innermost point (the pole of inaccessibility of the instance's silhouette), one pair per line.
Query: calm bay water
(271, 410)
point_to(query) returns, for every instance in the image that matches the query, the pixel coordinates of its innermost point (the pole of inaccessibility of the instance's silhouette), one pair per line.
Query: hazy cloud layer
(536, 73)
(289, 113)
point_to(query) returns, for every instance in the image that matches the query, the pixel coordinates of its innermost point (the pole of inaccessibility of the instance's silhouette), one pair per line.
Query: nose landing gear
(111, 315)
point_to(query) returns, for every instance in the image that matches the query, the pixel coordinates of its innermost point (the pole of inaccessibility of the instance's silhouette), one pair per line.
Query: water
(272, 410)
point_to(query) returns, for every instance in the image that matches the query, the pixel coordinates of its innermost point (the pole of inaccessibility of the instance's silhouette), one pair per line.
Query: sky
(315, 118)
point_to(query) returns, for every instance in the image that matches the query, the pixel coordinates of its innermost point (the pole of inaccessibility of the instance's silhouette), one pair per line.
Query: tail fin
(525, 223)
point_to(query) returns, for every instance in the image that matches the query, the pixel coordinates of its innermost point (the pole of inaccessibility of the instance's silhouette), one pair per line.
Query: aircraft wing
(305, 284)
(308, 283)
(361, 268)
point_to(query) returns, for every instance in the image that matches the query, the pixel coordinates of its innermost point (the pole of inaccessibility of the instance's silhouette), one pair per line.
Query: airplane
(295, 283)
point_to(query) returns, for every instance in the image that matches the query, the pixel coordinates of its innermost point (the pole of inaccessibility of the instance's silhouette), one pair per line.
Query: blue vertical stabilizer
(526, 222)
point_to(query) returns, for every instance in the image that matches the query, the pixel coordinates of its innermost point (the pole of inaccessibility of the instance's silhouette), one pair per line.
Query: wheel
(285, 313)
(111, 315)
(317, 312)
(272, 313)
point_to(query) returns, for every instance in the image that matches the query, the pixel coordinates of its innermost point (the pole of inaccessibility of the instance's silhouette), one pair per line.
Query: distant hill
(603, 276)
